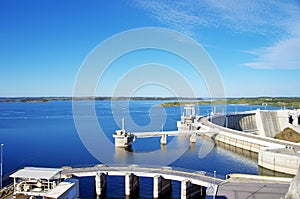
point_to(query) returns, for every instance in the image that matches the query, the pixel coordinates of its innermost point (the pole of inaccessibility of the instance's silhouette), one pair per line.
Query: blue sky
(254, 44)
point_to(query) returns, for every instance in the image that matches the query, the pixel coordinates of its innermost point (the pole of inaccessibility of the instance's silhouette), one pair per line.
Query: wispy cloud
(268, 18)
(284, 54)
(243, 15)
(172, 15)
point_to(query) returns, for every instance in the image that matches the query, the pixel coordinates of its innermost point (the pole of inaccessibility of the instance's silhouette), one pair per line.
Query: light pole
(1, 162)
(214, 196)
(215, 177)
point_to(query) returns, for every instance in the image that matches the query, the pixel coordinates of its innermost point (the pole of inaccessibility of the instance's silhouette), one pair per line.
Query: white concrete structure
(266, 123)
(100, 183)
(189, 125)
(294, 189)
(189, 190)
(123, 138)
(188, 119)
(162, 178)
(192, 183)
(131, 183)
(254, 186)
(284, 160)
(67, 189)
(43, 182)
(260, 126)
(164, 134)
(289, 118)
(163, 139)
(193, 138)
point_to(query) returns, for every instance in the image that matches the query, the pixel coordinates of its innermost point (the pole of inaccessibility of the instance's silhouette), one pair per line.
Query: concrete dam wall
(240, 122)
(254, 131)
(261, 122)
(268, 123)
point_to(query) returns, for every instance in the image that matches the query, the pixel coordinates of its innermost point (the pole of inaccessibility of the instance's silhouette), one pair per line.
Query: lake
(45, 135)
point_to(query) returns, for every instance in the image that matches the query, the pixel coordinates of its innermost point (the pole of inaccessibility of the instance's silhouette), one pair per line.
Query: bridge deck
(161, 133)
(167, 173)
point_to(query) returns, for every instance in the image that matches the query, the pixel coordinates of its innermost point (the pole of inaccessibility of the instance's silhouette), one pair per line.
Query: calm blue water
(44, 134)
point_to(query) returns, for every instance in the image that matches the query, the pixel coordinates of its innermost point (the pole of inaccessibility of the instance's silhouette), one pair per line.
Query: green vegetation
(269, 101)
(47, 99)
(34, 99)
(288, 134)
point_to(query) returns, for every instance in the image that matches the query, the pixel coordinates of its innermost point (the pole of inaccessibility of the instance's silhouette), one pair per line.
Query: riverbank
(292, 102)
(289, 102)
(48, 99)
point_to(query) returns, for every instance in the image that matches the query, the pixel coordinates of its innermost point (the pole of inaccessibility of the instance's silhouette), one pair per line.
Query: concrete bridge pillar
(193, 138)
(189, 190)
(161, 186)
(131, 183)
(163, 139)
(100, 183)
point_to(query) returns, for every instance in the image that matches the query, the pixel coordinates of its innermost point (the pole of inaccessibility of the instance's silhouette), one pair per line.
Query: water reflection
(266, 172)
(253, 156)
(192, 146)
(123, 155)
(243, 152)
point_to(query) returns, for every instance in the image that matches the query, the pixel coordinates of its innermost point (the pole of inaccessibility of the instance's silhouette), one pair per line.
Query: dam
(265, 123)
(254, 131)
(251, 130)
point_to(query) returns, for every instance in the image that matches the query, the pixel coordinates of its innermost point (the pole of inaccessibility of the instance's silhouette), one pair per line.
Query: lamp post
(1, 165)
(214, 196)
(215, 177)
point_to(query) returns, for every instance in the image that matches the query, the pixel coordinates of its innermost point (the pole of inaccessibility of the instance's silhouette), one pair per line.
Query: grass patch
(288, 134)
(290, 102)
